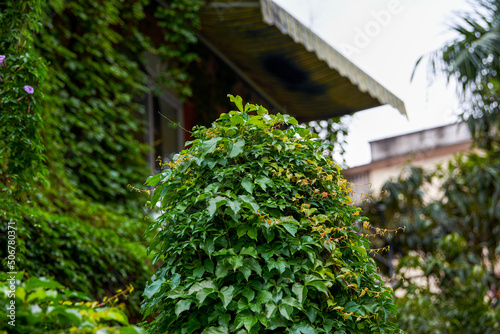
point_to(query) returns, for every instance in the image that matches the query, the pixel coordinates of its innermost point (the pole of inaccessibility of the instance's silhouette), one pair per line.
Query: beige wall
(370, 178)
(379, 176)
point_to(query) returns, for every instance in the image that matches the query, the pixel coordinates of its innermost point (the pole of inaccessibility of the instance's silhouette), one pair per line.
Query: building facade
(426, 149)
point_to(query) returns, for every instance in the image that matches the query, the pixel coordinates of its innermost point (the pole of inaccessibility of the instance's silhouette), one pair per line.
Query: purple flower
(2, 57)
(28, 89)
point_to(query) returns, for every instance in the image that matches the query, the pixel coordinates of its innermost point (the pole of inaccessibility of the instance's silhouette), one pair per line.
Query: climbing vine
(257, 234)
(21, 73)
(94, 96)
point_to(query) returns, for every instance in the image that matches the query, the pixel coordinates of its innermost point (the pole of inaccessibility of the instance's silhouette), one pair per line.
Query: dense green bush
(82, 254)
(41, 305)
(258, 235)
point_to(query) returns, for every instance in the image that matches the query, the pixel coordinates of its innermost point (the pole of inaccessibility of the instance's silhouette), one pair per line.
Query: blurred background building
(426, 149)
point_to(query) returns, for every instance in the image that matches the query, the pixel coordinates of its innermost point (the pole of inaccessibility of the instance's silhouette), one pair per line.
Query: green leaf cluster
(42, 305)
(81, 253)
(333, 132)
(93, 103)
(257, 234)
(472, 61)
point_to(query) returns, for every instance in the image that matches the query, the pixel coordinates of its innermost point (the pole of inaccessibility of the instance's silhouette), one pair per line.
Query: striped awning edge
(276, 16)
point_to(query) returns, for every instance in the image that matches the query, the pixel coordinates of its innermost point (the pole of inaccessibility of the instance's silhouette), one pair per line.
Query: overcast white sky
(413, 28)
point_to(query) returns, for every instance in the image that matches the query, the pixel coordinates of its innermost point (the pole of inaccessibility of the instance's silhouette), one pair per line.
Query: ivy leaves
(22, 147)
(235, 206)
(209, 146)
(258, 229)
(247, 184)
(237, 148)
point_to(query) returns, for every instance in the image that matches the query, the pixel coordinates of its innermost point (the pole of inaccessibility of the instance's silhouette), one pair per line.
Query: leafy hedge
(42, 305)
(258, 235)
(93, 259)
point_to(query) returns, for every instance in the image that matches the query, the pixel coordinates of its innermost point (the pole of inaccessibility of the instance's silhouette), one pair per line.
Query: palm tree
(472, 60)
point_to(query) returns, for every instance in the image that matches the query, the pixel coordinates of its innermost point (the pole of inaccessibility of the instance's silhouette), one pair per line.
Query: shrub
(258, 235)
(42, 305)
(80, 254)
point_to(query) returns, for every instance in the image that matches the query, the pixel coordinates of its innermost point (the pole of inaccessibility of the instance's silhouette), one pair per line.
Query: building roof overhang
(290, 66)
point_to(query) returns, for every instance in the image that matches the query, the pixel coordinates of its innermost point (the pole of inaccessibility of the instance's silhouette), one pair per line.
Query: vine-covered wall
(21, 152)
(95, 52)
(71, 143)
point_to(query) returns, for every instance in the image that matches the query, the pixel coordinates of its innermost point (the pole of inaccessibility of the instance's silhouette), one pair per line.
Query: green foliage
(79, 221)
(472, 61)
(21, 147)
(44, 306)
(470, 58)
(448, 254)
(257, 235)
(179, 21)
(81, 253)
(93, 105)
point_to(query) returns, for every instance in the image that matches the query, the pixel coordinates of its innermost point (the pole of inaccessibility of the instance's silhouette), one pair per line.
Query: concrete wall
(379, 176)
(425, 149)
(425, 140)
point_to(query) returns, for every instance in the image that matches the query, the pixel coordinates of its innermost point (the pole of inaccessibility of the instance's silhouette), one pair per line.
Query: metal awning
(294, 69)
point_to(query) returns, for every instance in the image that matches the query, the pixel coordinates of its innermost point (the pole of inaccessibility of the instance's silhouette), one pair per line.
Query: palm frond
(473, 57)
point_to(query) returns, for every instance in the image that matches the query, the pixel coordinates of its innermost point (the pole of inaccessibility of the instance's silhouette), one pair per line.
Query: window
(164, 117)
(163, 133)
